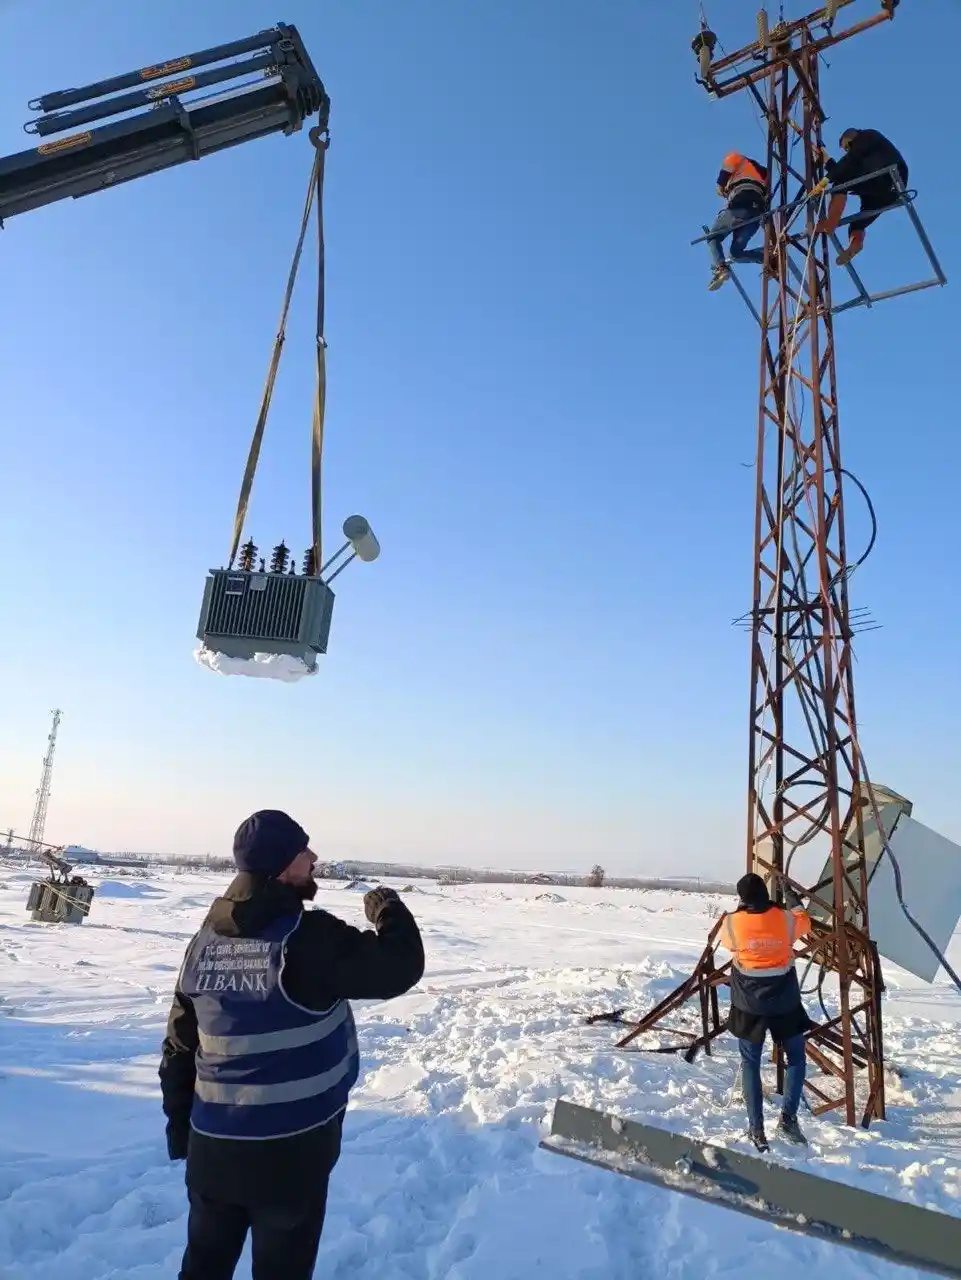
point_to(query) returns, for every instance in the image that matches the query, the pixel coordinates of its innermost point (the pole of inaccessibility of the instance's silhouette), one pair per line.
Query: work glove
(178, 1137)
(376, 900)
(791, 899)
(820, 187)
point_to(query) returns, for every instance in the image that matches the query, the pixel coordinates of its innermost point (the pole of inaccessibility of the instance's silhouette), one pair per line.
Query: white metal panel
(931, 882)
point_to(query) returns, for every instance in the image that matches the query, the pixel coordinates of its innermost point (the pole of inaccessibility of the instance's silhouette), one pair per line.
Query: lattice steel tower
(807, 783)
(39, 821)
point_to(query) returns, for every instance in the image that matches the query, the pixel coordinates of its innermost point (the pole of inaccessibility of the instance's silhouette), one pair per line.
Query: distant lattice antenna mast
(39, 822)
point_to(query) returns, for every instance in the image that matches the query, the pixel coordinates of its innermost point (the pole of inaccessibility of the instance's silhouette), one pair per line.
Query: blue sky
(532, 397)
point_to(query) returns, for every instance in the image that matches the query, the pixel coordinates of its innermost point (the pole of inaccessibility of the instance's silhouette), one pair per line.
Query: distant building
(332, 871)
(77, 854)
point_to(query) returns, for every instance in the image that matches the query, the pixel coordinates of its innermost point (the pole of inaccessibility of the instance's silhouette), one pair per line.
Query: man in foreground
(261, 1052)
(866, 152)
(766, 996)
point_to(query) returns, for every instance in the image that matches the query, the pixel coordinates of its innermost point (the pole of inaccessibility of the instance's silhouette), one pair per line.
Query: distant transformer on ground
(51, 903)
(270, 621)
(63, 898)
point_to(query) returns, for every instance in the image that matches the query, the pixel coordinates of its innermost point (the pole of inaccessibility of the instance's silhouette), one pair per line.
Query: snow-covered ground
(441, 1177)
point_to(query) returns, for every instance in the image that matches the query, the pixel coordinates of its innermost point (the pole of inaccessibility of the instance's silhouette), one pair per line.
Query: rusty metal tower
(39, 820)
(807, 784)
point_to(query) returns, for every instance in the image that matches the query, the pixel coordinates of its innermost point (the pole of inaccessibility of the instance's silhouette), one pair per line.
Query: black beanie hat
(752, 891)
(267, 842)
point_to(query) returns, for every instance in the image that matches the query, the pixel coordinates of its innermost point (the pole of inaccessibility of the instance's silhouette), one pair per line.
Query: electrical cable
(898, 881)
(791, 374)
(843, 576)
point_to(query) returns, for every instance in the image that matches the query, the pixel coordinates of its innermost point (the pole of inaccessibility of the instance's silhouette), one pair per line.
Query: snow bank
(441, 1177)
(272, 666)
(126, 889)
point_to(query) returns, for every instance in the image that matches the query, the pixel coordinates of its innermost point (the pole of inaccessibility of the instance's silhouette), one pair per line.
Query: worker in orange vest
(766, 997)
(743, 183)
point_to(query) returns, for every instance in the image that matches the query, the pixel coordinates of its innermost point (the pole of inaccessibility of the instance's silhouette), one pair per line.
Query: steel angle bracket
(801, 1202)
(736, 282)
(867, 299)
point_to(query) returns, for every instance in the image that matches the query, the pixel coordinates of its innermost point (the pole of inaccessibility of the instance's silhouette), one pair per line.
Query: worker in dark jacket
(765, 996)
(261, 1052)
(743, 183)
(865, 152)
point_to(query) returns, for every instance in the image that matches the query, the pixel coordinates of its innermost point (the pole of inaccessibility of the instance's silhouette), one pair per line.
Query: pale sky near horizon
(532, 397)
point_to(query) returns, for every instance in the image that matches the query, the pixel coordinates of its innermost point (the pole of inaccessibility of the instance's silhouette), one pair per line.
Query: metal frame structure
(806, 778)
(163, 123)
(38, 822)
(905, 200)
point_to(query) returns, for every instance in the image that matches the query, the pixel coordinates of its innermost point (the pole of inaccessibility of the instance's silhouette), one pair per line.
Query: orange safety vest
(762, 942)
(745, 176)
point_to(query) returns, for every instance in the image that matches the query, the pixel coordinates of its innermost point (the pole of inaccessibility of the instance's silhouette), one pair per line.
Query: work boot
(789, 1129)
(757, 1136)
(855, 245)
(827, 226)
(721, 276)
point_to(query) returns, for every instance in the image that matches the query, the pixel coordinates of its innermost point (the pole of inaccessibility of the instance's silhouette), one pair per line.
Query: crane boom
(169, 130)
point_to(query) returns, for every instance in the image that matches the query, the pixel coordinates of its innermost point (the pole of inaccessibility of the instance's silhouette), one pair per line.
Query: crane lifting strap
(315, 192)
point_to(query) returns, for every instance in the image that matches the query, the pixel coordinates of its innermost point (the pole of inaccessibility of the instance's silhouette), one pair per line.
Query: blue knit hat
(267, 842)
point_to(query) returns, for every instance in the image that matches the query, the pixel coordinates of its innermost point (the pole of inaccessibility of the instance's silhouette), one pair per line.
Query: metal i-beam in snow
(826, 1209)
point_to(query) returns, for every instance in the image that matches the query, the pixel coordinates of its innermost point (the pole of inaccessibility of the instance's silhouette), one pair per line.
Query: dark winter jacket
(326, 960)
(869, 152)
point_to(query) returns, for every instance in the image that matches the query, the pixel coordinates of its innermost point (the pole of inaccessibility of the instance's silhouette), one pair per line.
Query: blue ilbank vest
(266, 1067)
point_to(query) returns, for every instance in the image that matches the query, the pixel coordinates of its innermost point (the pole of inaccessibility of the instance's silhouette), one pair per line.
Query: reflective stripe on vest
(266, 1067)
(745, 176)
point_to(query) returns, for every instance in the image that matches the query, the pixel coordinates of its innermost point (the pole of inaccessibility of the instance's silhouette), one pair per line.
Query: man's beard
(307, 890)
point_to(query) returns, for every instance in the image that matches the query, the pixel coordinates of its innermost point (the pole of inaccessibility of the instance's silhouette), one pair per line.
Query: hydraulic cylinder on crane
(159, 128)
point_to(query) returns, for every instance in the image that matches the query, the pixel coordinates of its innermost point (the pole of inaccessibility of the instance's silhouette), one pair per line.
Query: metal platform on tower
(794, 245)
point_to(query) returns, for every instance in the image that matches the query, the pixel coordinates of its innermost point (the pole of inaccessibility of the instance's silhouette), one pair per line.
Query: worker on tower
(743, 183)
(261, 1051)
(766, 997)
(865, 153)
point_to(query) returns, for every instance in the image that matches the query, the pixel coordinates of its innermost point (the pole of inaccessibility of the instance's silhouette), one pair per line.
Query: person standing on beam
(743, 183)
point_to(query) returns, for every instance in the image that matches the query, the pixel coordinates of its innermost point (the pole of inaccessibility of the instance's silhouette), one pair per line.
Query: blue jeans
(723, 227)
(751, 1076)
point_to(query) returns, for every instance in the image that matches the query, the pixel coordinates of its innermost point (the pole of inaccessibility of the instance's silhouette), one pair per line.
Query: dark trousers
(751, 1077)
(284, 1242)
